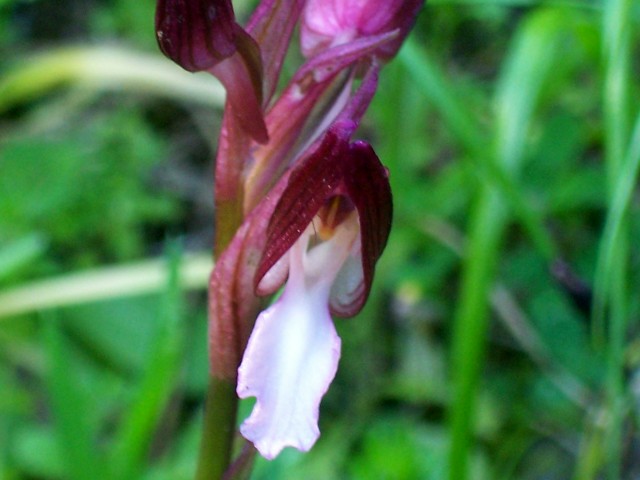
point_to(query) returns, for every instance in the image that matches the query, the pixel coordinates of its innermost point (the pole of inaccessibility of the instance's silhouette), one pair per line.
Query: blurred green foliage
(497, 123)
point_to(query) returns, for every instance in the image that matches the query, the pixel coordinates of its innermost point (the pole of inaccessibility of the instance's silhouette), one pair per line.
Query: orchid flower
(202, 35)
(233, 296)
(298, 202)
(327, 232)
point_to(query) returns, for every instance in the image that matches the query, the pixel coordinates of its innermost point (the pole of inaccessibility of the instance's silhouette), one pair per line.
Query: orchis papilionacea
(298, 203)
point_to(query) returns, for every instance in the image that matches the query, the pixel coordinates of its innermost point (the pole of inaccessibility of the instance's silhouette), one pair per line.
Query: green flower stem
(219, 428)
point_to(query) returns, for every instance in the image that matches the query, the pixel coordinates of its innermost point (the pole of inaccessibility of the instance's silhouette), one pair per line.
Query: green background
(510, 129)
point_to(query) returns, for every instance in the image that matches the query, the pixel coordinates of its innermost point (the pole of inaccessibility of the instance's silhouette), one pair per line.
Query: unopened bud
(329, 23)
(196, 34)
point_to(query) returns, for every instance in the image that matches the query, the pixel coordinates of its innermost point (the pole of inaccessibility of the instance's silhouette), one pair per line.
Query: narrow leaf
(142, 420)
(74, 435)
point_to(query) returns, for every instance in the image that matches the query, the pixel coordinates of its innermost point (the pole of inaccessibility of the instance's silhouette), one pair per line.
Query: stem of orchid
(218, 430)
(221, 404)
(228, 220)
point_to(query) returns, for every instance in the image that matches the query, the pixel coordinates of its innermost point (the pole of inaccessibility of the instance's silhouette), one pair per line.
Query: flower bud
(196, 34)
(202, 35)
(329, 23)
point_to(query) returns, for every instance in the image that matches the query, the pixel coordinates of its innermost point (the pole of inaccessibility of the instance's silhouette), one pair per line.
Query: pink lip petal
(293, 352)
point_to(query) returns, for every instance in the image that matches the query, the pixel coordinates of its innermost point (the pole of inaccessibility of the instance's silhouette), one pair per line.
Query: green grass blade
(75, 437)
(103, 283)
(139, 425)
(617, 49)
(469, 331)
(19, 253)
(520, 83)
(528, 66)
(442, 94)
(612, 274)
(444, 97)
(615, 223)
(104, 68)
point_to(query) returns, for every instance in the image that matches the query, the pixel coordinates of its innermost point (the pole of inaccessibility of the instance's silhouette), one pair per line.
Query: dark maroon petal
(367, 186)
(334, 167)
(311, 183)
(196, 34)
(203, 35)
(241, 75)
